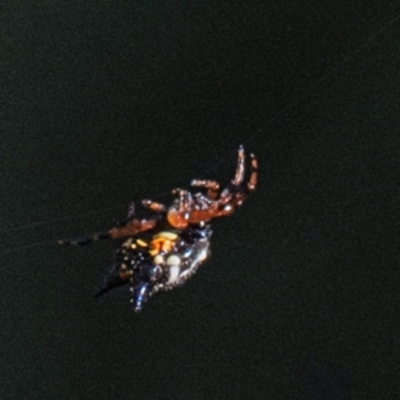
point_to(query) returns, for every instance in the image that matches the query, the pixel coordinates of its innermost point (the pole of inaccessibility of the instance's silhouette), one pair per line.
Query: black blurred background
(106, 102)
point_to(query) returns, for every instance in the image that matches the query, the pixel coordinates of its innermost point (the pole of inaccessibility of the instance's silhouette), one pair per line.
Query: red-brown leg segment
(154, 206)
(185, 200)
(132, 228)
(239, 175)
(252, 183)
(212, 187)
(232, 197)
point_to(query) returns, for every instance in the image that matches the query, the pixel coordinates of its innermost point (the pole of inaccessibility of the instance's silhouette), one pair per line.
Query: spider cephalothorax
(161, 252)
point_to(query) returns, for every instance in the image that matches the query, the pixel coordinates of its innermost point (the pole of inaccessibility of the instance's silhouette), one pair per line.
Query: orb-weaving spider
(164, 250)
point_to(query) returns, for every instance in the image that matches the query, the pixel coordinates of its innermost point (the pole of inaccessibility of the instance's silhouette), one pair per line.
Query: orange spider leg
(239, 175)
(132, 227)
(154, 206)
(229, 199)
(252, 184)
(212, 187)
(204, 208)
(184, 201)
(237, 181)
(197, 216)
(178, 216)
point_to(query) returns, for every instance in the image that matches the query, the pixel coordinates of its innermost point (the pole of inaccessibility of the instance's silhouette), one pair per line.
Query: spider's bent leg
(129, 217)
(132, 227)
(239, 175)
(237, 181)
(252, 183)
(236, 189)
(179, 213)
(184, 200)
(202, 201)
(185, 203)
(212, 187)
(154, 206)
(233, 196)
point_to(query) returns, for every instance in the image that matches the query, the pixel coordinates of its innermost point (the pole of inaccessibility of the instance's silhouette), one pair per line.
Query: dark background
(106, 102)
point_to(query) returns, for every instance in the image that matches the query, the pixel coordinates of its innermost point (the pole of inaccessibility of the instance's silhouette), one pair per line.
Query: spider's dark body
(158, 261)
(161, 252)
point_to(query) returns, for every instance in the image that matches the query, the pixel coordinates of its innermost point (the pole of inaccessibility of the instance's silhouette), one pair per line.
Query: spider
(161, 252)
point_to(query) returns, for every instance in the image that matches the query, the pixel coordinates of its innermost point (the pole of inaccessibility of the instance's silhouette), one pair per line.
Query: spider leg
(83, 241)
(234, 195)
(154, 206)
(140, 293)
(179, 213)
(231, 197)
(203, 201)
(212, 187)
(130, 228)
(134, 226)
(185, 200)
(252, 183)
(129, 217)
(239, 175)
(237, 183)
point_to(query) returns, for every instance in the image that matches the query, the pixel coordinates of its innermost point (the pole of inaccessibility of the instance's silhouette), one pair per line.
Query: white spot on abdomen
(174, 261)
(174, 273)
